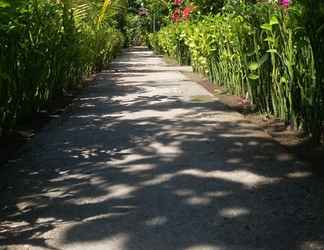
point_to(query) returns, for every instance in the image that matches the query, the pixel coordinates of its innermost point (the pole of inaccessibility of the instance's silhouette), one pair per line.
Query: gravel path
(148, 160)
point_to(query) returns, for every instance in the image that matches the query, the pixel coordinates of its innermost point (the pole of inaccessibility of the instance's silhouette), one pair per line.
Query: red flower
(186, 12)
(176, 15)
(178, 2)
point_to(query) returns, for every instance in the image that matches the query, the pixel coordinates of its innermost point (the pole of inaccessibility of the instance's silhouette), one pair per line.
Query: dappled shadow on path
(133, 167)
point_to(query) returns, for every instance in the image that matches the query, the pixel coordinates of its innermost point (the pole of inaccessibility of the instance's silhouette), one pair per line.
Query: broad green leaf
(283, 80)
(254, 66)
(272, 51)
(266, 26)
(274, 20)
(269, 39)
(4, 4)
(253, 76)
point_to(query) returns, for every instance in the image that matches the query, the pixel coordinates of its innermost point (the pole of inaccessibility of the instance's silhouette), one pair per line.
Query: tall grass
(45, 50)
(259, 51)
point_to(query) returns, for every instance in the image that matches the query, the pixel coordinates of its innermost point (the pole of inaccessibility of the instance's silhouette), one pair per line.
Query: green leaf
(283, 80)
(266, 26)
(4, 4)
(269, 39)
(274, 20)
(253, 76)
(263, 59)
(254, 66)
(272, 51)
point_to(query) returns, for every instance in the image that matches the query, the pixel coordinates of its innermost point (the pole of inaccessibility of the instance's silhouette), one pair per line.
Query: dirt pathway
(148, 160)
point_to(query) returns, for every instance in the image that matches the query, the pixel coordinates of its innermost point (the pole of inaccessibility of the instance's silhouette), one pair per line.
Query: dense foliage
(45, 49)
(264, 52)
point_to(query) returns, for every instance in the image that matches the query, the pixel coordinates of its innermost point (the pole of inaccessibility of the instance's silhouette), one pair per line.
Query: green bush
(135, 29)
(44, 52)
(171, 40)
(259, 51)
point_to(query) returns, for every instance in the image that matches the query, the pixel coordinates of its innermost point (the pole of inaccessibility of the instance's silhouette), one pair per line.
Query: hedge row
(259, 51)
(43, 51)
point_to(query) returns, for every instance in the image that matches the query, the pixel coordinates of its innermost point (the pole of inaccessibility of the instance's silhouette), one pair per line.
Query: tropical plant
(262, 52)
(47, 47)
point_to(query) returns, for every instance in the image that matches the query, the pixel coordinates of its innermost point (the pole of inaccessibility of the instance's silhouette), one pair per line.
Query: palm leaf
(104, 9)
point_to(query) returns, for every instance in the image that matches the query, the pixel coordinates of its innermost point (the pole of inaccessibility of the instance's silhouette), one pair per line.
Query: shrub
(135, 28)
(259, 51)
(43, 52)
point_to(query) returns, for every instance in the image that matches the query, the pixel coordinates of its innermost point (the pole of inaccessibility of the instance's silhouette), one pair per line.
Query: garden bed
(296, 142)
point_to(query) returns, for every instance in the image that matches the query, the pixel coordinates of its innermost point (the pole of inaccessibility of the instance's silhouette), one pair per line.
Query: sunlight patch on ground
(94, 98)
(160, 179)
(243, 133)
(202, 199)
(118, 191)
(136, 168)
(218, 194)
(312, 245)
(121, 191)
(300, 174)
(203, 247)
(239, 176)
(233, 212)
(171, 148)
(107, 216)
(156, 221)
(117, 241)
(243, 177)
(184, 192)
(70, 176)
(198, 200)
(129, 159)
(233, 161)
(52, 220)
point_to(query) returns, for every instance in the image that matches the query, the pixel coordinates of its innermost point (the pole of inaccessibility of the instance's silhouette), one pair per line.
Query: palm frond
(82, 11)
(105, 7)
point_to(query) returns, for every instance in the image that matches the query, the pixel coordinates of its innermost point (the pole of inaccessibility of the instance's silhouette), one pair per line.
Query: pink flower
(285, 3)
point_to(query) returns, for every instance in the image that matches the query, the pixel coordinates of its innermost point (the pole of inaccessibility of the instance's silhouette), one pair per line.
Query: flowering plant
(181, 13)
(285, 3)
(186, 12)
(176, 15)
